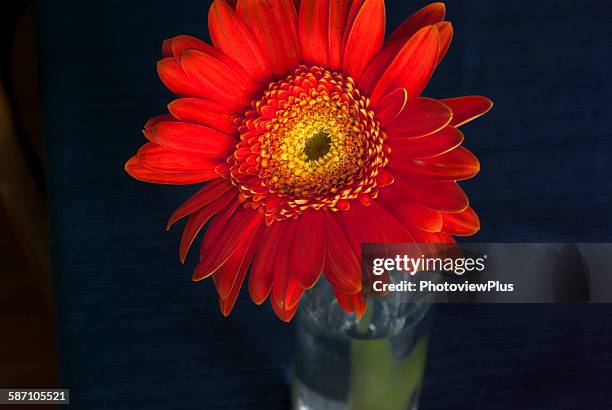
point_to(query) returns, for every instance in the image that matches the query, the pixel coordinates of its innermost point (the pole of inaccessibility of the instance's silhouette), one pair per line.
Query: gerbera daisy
(309, 134)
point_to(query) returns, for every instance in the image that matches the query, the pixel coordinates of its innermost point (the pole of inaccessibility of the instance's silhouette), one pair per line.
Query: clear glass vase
(343, 363)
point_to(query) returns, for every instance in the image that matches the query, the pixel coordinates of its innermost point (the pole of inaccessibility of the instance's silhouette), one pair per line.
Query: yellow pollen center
(309, 142)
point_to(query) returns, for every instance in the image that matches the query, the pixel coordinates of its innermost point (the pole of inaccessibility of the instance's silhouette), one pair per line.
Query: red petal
(308, 255)
(173, 77)
(214, 228)
(342, 268)
(355, 302)
(427, 146)
(427, 242)
(274, 25)
(293, 292)
(393, 230)
(412, 67)
(442, 196)
(286, 290)
(350, 19)
(378, 66)
(230, 35)
(187, 137)
(423, 218)
(313, 31)
(428, 15)
(284, 314)
(375, 225)
(282, 266)
(204, 196)
(156, 157)
(137, 170)
(384, 178)
(198, 219)
(226, 305)
(441, 245)
(456, 165)
(167, 47)
(361, 226)
(422, 116)
(464, 223)
(445, 29)
(390, 106)
(217, 80)
(405, 233)
(365, 38)
(224, 236)
(262, 272)
(156, 120)
(204, 112)
(440, 237)
(397, 232)
(226, 278)
(467, 108)
(410, 213)
(372, 224)
(338, 11)
(184, 43)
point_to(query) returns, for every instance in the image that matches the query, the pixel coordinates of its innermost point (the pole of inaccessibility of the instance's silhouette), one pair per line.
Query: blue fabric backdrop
(135, 332)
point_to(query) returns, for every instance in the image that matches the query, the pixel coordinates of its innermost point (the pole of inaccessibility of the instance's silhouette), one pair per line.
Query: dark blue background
(134, 332)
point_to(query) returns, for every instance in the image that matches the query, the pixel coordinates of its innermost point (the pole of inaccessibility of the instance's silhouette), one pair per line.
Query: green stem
(379, 379)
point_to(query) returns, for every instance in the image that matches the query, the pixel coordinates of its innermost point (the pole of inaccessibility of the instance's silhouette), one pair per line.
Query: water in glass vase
(342, 363)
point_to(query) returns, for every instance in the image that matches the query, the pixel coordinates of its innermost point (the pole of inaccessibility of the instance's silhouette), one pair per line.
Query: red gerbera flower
(312, 137)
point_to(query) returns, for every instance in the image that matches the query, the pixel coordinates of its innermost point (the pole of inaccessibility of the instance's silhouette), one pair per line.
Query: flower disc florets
(311, 141)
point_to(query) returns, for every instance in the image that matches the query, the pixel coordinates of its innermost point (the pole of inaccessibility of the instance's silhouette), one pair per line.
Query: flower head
(310, 135)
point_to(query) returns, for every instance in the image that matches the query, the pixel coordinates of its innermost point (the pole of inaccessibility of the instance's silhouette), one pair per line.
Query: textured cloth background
(135, 332)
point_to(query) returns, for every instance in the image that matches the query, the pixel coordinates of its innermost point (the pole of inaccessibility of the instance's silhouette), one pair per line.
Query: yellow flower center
(311, 141)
